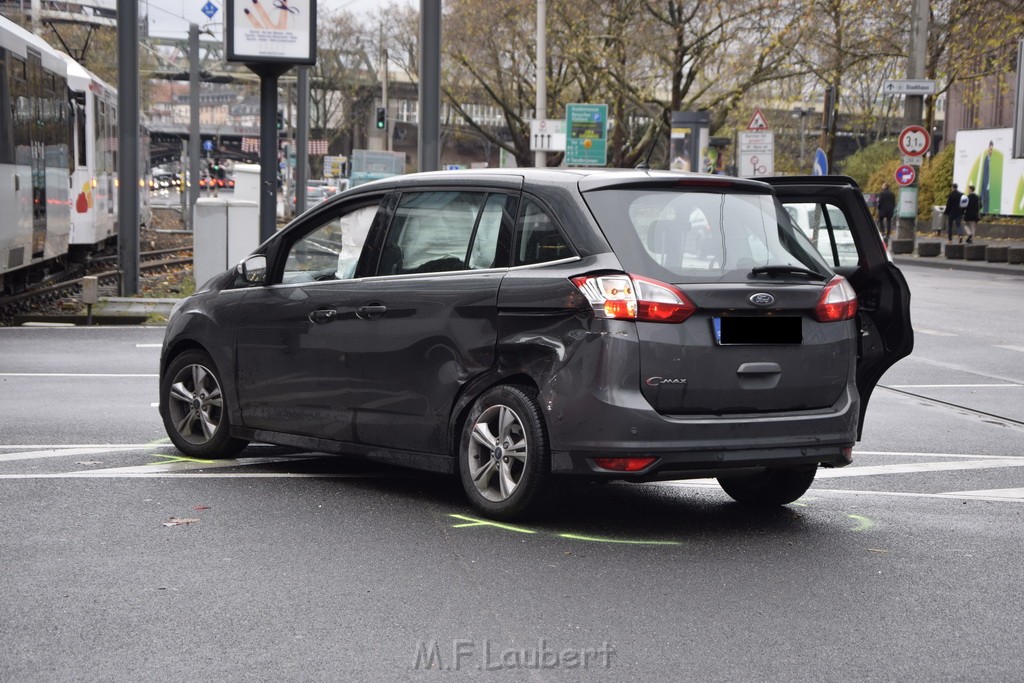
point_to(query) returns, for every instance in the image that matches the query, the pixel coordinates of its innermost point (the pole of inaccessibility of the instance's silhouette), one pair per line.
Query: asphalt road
(906, 565)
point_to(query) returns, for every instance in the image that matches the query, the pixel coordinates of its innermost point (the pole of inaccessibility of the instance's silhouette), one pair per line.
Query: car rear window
(682, 235)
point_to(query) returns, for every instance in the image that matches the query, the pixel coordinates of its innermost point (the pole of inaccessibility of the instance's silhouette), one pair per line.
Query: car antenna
(645, 165)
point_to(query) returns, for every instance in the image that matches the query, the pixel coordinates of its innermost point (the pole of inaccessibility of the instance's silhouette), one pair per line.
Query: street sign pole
(912, 116)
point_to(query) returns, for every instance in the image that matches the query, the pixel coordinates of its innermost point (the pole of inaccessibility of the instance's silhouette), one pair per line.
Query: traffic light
(280, 119)
(382, 118)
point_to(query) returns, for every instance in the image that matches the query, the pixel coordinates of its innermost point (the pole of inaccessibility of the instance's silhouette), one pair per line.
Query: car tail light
(623, 464)
(837, 302)
(633, 297)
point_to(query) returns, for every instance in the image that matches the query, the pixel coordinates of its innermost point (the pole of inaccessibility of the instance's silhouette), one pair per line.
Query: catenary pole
(540, 159)
(429, 149)
(128, 174)
(194, 138)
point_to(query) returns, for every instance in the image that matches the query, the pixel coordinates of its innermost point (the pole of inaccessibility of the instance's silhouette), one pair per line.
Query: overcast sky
(171, 18)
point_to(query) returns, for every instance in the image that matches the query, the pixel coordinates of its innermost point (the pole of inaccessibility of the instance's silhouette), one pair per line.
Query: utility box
(247, 182)
(90, 289)
(225, 232)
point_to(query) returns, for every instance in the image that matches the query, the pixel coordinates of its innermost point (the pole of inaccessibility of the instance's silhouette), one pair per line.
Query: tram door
(37, 159)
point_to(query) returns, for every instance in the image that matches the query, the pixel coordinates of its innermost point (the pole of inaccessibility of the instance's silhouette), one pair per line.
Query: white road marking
(148, 346)
(934, 333)
(950, 386)
(994, 495)
(990, 494)
(220, 475)
(915, 467)
(918, 454)
(179, 466)
(60, 452)
(1010, 347)
(88, 375)
(51, 446)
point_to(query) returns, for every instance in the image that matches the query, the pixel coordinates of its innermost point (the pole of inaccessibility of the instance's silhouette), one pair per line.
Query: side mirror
(254, 270)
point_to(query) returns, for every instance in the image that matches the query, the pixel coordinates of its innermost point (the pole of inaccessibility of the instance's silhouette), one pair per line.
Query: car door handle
(323, 315)
(371, 311)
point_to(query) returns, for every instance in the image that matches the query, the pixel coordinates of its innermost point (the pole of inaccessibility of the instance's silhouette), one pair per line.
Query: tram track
(1009, 421)
(150, 262)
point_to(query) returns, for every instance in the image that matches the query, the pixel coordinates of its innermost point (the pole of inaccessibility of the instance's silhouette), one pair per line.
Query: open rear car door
(832, 212)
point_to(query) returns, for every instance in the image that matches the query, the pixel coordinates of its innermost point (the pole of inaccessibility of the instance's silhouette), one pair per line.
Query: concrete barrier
(994, 254)
(955, 250)
(974, 252)
(1015, 254)
(902, 246)
(929, 248)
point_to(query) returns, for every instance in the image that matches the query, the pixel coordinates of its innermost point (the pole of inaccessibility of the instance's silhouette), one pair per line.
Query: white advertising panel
(984, 159)
(271, 31)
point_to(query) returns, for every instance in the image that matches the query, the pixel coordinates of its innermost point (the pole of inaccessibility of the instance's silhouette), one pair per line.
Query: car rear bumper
(612, 418)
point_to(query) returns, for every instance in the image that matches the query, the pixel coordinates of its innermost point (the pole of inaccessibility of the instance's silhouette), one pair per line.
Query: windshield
(682, 235)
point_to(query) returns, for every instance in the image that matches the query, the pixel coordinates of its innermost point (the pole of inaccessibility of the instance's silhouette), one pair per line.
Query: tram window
(6, 124)
(80, 132)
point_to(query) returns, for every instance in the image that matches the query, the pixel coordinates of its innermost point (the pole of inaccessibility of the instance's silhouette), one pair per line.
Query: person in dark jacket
(972, 213)
(954, 213)
(886, 208)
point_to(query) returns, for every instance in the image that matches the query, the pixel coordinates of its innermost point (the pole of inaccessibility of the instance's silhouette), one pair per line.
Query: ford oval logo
(762, 299)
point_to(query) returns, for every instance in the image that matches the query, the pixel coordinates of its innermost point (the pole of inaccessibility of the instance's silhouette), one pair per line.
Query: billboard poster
(271, 31)
(689, 142)
(984, 159)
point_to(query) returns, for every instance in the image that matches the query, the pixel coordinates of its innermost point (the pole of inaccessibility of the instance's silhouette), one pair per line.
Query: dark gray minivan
(522, 326)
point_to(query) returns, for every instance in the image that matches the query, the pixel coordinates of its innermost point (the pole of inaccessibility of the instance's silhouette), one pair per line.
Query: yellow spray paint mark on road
(472, 521)
(597, 539)
(863, 523)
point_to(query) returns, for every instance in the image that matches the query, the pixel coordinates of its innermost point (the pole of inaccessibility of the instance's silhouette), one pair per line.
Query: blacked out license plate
(758, 330)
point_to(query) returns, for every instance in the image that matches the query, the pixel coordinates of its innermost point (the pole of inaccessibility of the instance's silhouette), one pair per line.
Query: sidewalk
(941, 261)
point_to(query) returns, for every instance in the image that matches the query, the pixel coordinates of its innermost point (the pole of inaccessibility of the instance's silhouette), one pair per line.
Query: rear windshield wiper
(787, 270)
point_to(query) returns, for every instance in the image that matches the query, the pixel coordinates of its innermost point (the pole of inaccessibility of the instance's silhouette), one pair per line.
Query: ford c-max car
(518, 328)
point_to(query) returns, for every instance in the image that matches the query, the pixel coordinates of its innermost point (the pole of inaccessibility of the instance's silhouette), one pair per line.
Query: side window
(331, 250)
(537, 237)
(826, 226)
(491, 241)
(431, 233)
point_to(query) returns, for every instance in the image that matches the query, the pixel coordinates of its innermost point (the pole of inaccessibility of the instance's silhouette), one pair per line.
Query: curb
(109, 306)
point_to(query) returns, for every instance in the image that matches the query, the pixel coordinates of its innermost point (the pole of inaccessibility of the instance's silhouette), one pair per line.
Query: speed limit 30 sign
(914, 141)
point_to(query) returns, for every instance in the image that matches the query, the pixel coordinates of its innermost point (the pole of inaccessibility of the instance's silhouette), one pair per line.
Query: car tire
(770, 488)
(195, 410)
(504, 462)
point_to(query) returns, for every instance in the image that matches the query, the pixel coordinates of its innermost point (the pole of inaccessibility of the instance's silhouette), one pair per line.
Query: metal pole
(384, 90)
(194, 137)
(540, 158)
(913, 108)
(302, 140)
(803, 139)
(268, 74)
(430, 85)
(128, 145)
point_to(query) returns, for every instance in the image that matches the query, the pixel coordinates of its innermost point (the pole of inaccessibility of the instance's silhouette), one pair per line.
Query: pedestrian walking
(972, 212)
(886, 208)
(954, 213)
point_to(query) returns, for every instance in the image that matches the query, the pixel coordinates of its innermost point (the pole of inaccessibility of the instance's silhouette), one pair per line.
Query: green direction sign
(587, 141)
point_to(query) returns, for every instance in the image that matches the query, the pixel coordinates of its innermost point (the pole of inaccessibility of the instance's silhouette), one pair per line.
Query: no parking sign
(905, 175)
